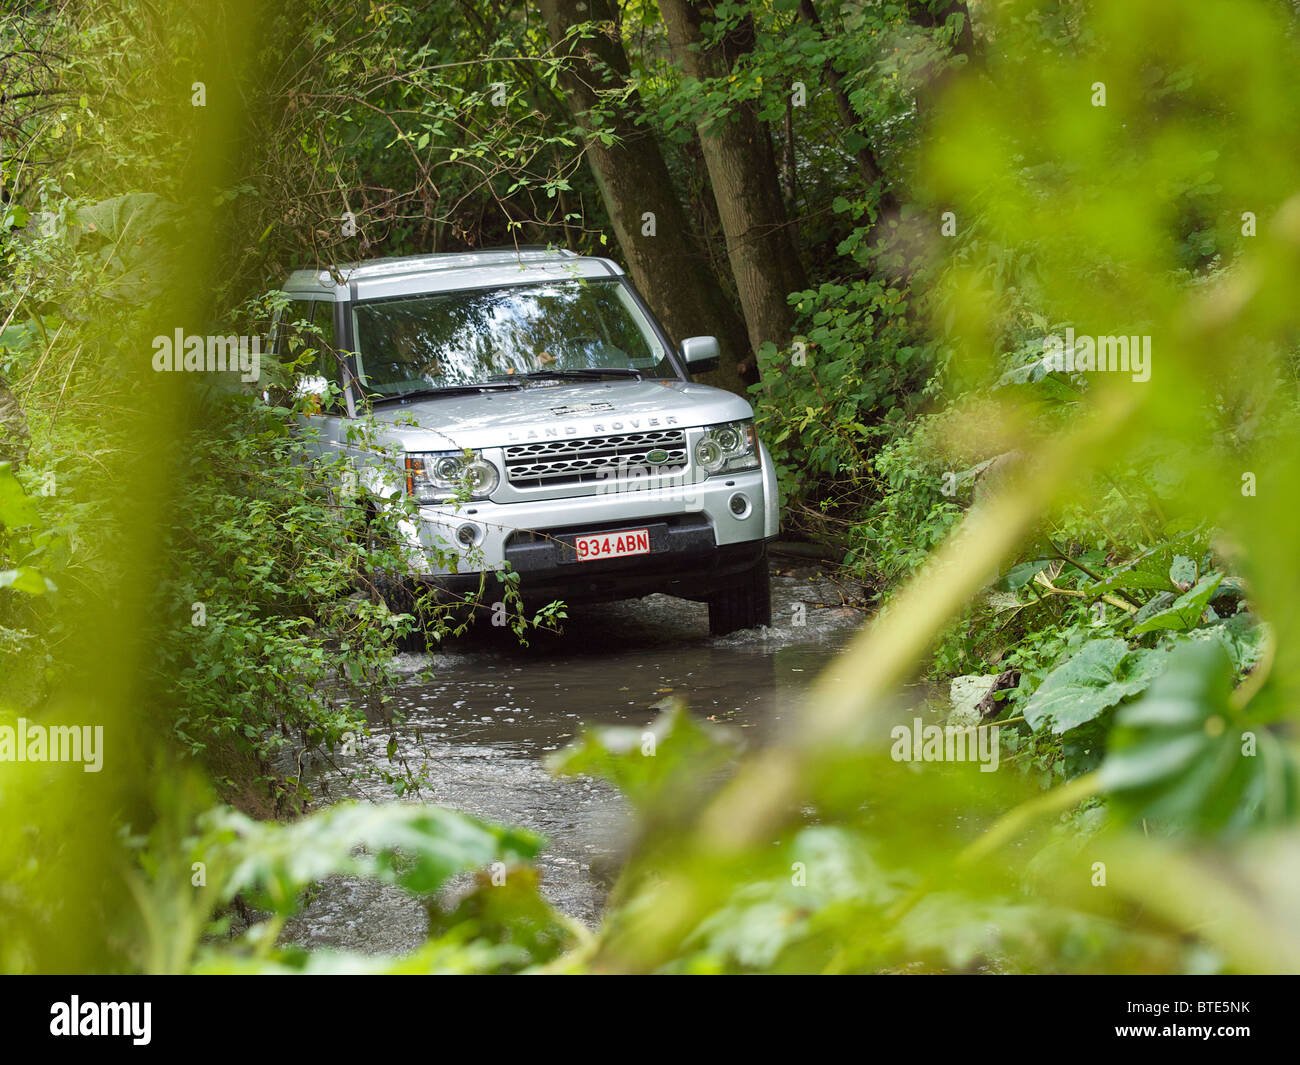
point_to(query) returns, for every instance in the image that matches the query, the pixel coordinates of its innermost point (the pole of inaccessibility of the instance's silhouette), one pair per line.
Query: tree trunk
(933, 14)
(634, 183)
(742, 168)
(868, 167)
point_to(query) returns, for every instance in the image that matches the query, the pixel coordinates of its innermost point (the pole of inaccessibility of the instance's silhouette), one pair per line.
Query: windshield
(450, 339)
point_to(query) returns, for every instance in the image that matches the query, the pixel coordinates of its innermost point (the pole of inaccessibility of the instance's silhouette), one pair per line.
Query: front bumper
(697, 541)
(500, 524)
(683, 561)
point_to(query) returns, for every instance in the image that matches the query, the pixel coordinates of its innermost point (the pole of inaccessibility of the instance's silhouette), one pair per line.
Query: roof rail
(525, 247)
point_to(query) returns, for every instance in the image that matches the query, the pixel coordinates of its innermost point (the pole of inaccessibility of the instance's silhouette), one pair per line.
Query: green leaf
(1182, 753)
(1182, 571)
(646, 764)
(15, 217)
(1020, 575)
(1186, 610)
(133, 238)
(23, 579)
(416, 847)
(1153, 570)
(16, 510)
(1241, 636)
(1094, 679)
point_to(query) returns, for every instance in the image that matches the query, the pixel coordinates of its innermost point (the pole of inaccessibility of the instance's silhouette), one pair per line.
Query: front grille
(593, 458)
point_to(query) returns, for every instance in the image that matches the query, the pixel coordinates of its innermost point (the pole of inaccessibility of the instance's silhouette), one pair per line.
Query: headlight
(727, 447)
(437, 476)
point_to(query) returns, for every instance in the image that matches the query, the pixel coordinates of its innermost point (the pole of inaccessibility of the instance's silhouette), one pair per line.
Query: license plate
(612, 545)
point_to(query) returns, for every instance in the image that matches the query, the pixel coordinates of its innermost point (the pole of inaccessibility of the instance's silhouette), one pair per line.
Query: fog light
(739, 504)
(469, 534)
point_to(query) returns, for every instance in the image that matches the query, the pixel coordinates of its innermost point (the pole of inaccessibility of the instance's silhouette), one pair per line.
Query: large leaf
(14, 216)
(1186, 611)
(1242, 637)
(1022, 573)
(1154, 569)
(1183, 754)
(133, 242)
(665, 761)
(16, 510)
(1099, 675)
(17, 337)
(26, 579)
(416, 847)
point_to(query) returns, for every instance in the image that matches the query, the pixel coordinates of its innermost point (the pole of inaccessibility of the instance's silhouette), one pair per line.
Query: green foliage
(669, 760)
(1105, 549)
(1095, 678)
(220, 595)
(1188, 755)
(32, 556)
(1185, 611)
(265, 638)
(829, 406)
(187, 923)
(912, 514)
(1085, 534)
(25, 540)
(852, 362)
(418, 848)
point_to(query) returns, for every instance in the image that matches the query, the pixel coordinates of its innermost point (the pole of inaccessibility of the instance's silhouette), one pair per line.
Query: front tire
(400, 595)
(746, 604)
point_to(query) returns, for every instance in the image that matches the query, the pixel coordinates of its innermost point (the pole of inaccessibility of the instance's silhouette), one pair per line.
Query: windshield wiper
(595, 371)
(446, 390)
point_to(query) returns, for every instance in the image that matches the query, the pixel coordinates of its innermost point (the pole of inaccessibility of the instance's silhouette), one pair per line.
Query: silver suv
(543, 422)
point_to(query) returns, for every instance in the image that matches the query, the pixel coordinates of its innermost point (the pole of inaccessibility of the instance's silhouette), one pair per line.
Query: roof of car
(449, 270)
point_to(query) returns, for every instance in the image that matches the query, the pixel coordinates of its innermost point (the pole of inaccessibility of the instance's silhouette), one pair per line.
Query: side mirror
(702, 354)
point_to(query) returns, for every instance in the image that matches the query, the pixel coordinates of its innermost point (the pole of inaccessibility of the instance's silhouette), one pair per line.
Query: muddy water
(477, 732)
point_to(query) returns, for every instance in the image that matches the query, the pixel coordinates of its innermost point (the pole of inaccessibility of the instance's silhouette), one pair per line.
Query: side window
(307, 329)
(293, 329)
(329, 356)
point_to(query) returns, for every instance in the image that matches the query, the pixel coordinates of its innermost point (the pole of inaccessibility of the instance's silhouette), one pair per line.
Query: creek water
(478, 719)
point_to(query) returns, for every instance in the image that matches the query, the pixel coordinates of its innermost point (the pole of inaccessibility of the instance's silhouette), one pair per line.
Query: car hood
(497, 419)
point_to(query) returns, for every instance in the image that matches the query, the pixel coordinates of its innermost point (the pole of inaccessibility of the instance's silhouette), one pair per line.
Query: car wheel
(747, 604)
(401, 598)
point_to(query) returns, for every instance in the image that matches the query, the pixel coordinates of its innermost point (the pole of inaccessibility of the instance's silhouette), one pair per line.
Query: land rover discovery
(545, 423)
